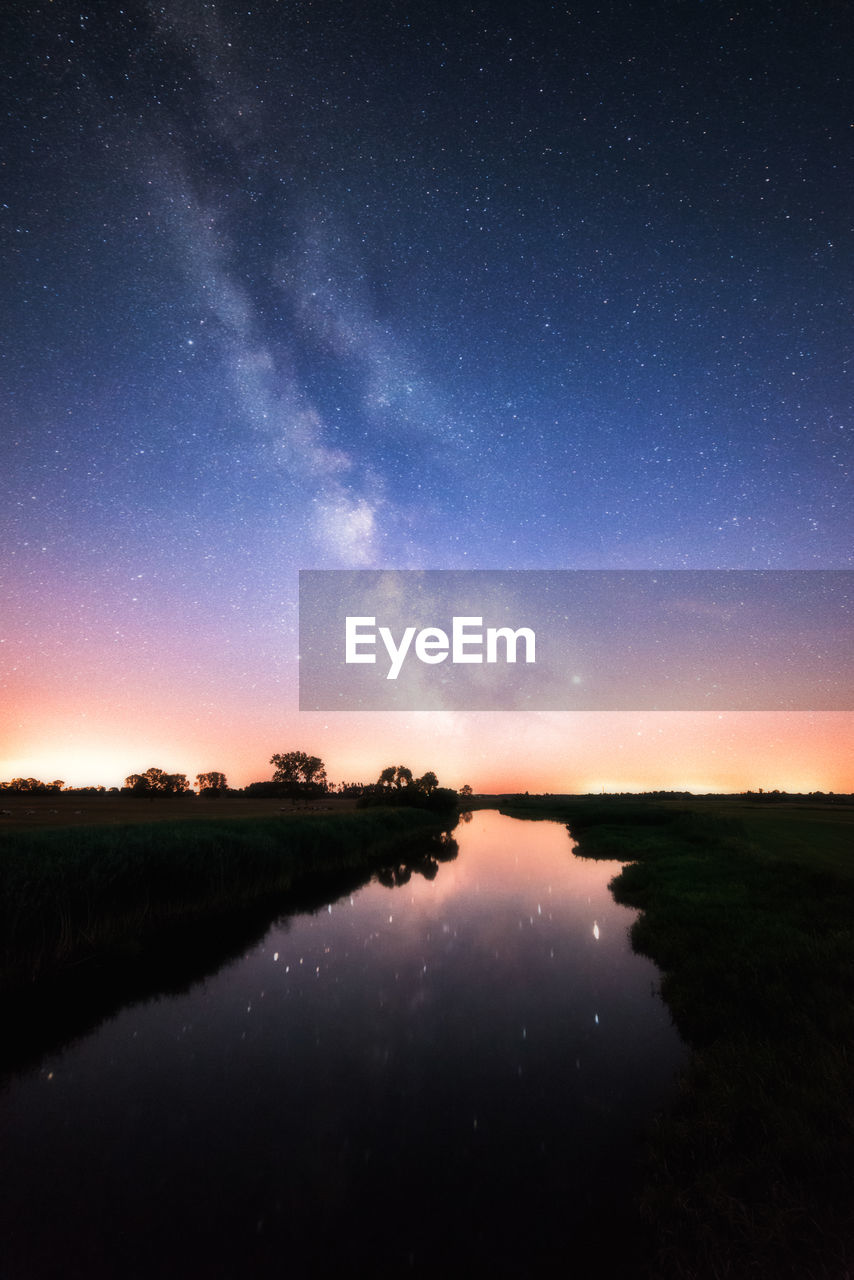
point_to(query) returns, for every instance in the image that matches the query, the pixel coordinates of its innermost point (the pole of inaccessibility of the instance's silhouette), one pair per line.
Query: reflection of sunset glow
(595, 930)
(517, 872)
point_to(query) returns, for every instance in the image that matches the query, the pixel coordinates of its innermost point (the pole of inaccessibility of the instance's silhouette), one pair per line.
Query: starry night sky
(338, 285)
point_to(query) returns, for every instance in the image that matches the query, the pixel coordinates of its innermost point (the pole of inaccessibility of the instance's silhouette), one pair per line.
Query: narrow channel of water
(447, 1069)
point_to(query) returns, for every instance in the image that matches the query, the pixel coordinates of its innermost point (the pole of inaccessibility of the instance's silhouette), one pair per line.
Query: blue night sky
(316, 285)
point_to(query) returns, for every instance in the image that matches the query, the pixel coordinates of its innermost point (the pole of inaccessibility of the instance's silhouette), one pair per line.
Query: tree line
(296, 775)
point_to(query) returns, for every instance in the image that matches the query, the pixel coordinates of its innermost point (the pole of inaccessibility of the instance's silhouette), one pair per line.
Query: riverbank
(67, 893)
(749, 913)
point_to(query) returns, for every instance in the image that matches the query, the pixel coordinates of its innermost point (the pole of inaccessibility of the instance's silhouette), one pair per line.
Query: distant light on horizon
(242, 341)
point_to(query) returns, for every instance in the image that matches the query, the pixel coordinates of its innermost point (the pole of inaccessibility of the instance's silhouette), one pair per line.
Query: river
(449, 1067)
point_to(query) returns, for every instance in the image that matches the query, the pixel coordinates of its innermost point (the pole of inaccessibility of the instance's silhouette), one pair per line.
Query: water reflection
(442, 1068)
(47, 1018)
(443, 848)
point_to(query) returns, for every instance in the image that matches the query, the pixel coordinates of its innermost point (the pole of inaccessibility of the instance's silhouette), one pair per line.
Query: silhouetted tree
(354, 788)
(156, 782)
(396, 775)
(396, 786)
(211, 784)
(299, 773)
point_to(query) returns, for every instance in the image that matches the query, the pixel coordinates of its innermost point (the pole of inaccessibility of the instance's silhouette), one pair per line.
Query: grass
(66, 893)
(749, 913)
(65, 809)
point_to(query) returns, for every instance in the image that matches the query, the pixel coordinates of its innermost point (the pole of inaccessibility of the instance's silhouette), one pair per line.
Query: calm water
(428, 1072)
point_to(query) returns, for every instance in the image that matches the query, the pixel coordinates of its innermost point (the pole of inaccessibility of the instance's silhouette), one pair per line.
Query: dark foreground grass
(751, 1172)
(68, 893)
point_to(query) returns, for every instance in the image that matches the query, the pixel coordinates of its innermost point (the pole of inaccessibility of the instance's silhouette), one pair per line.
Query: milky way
(336, 285)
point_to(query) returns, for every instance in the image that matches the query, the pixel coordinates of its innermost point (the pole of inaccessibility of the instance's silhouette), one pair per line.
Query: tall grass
(66, 892)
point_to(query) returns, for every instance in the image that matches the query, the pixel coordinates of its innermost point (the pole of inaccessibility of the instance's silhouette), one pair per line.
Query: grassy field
(748, 909)
(28, 812)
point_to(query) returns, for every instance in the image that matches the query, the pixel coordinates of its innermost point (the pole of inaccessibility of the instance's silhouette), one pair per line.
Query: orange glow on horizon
(494, 752)
(93, 708)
